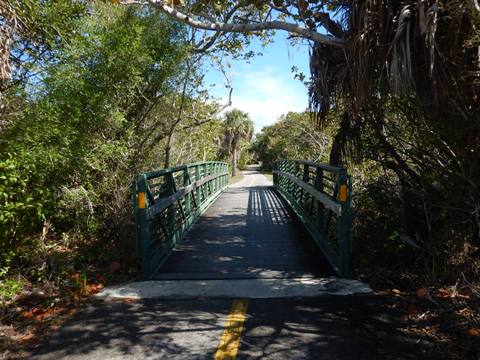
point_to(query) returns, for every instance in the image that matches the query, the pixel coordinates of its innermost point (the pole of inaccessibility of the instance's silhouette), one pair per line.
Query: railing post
(186, 182)
(275, 177)
(344, 224)
(298, 192)
(305, 179)
(224, 177)
(210, 183)
(142, 229)
(198, 195)
(227, 175)
(171, 213)
(283, 180)
(215, 182)
(288, 182)
(319, 186)
(205, 186)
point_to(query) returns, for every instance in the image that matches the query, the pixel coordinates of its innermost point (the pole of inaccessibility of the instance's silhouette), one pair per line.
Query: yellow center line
(253, 180)
(230, 340)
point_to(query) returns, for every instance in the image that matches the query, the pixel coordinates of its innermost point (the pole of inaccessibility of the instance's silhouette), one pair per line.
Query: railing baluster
(171, 211)
(305, 178)
(186, 182)
(198, 194)
(320, 209)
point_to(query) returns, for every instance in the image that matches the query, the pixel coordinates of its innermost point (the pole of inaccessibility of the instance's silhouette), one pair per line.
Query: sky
(265, 87)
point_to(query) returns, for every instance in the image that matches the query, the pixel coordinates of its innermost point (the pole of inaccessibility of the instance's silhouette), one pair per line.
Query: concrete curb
(238, 288)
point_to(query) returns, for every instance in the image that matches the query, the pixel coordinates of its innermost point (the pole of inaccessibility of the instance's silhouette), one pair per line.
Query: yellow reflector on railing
(342, 196)
(141, 200)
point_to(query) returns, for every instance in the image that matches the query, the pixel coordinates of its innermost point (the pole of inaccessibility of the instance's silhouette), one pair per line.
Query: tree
(31, 34)
(238, 126)
(291, 137)
(81, 134)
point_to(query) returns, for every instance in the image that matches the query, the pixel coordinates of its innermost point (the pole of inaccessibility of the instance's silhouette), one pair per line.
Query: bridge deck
(247, 233)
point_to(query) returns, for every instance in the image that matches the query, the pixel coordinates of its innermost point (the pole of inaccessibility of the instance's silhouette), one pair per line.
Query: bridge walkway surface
(246, 283)
(247, 233)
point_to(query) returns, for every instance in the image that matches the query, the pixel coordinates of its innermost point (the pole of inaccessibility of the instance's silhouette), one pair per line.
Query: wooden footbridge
(300, 226)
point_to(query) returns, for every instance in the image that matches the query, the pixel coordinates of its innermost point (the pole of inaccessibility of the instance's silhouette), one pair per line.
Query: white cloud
(266, 94)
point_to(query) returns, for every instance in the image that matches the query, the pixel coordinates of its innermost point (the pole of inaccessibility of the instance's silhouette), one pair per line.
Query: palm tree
(238, 126)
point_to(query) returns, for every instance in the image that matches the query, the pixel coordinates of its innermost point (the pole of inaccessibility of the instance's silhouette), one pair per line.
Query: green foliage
(293, 136)
(68, 156)
(8, 289)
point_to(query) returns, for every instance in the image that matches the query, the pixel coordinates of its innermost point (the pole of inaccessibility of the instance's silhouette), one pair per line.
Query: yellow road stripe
(230, 341)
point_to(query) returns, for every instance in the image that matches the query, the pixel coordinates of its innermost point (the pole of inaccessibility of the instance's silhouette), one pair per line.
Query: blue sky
(265, 87)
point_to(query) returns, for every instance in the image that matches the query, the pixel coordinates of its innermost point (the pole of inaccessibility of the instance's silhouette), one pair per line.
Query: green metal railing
(320, 195)
(168, 202)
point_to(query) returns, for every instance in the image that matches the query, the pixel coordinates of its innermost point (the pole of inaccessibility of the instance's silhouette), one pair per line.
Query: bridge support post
(344, 224)
(142, 228)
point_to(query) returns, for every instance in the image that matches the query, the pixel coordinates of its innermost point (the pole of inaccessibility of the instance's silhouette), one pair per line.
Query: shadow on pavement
(320, 328)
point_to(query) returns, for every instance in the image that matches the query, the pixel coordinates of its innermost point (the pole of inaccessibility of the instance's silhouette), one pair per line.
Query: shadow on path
(321, 328)
(247, 233)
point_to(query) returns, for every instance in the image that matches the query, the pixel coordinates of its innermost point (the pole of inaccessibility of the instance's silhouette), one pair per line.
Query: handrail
(320, 195)
(167, 203)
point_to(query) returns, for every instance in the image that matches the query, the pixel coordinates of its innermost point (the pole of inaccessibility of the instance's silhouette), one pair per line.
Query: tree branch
(214, 38)
(242, 28)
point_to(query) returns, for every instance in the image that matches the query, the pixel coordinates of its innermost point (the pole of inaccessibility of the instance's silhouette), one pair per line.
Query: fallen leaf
(128, 300)
(72, 312)
(27, 337)
(473, 332)
(422, 293)
(443, 293)
(412, 309)
(396, 292)
(114, 266)
(40, 317)
(37, 311)
(26, 314)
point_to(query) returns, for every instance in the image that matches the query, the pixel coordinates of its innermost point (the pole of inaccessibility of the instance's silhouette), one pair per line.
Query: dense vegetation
(95, 97)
